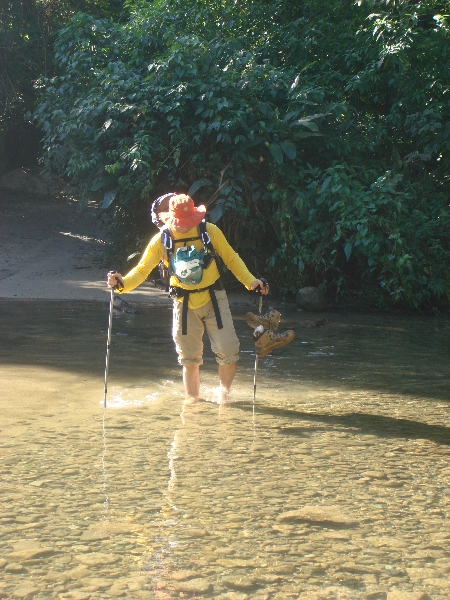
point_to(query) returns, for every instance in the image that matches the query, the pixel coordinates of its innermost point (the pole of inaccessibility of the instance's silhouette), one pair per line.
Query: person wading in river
(190, 251)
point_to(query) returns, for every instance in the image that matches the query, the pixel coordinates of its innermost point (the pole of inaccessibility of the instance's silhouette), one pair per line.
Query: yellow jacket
(154, 253)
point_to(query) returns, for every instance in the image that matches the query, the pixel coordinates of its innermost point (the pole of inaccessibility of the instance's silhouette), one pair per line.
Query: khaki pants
(224, 342)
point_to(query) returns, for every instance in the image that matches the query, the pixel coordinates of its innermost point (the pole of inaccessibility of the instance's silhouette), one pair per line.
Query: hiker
(190, 252)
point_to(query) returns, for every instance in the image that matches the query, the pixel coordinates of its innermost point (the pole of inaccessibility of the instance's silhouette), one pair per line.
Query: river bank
(52, 246)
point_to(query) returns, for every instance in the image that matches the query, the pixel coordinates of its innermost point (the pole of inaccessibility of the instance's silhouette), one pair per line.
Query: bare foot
(191, 400)
(221, 395)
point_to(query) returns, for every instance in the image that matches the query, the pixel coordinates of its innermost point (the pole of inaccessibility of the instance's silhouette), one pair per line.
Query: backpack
(185, 262)
(187, 265)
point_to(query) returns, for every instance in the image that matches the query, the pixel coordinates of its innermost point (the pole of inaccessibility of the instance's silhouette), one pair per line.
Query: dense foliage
(27, 32)
(318, 132)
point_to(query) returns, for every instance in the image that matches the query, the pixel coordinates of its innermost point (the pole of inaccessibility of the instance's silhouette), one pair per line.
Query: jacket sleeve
(229, 256)
(151, 257)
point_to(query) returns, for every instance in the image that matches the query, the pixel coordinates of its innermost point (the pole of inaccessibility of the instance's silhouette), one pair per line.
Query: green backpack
(187, 264)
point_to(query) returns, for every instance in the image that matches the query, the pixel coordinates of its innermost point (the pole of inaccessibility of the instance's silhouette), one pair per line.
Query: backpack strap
(215, 304)
(177, 292)
(184, 312)
(168, 243)
(204, 236)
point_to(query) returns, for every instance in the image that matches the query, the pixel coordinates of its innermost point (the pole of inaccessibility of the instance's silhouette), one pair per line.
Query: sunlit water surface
(335, 484)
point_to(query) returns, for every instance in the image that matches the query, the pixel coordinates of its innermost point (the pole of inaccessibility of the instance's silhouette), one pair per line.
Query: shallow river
(334, 485)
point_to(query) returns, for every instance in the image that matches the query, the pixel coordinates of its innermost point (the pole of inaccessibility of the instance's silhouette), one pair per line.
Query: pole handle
(118, 286)
(265, 283)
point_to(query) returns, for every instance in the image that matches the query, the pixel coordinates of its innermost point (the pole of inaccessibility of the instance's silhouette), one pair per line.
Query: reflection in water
(104, 473)
(335, 482)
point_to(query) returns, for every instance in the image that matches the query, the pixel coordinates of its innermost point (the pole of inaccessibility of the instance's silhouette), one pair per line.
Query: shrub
(316, 133)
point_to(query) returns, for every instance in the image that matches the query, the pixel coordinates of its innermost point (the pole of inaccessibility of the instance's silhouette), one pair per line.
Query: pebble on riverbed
(193, 586)
(15, 568)
(96, 559)
(326, 515)
(25, 592)
(400, 595)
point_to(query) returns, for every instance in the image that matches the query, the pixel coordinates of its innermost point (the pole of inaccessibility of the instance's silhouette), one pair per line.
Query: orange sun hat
(183, 213)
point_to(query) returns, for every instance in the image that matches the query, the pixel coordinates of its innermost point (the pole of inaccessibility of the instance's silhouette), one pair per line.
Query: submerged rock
(196, 586)
(95, 559)
(25, 592)
(56, 577)
(183, 575)
(311, 299)
(239, 583)
(31, 553)
(407, 595)
(317, 514)
(76, 595)
(318, 323)
(78, 573)
(15, 568)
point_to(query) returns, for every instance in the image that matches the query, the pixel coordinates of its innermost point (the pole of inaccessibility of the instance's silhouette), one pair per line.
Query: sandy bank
(51, 248)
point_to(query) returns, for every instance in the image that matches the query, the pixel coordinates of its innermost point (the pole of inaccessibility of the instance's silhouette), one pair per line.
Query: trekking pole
(258, 290)
(108, 343)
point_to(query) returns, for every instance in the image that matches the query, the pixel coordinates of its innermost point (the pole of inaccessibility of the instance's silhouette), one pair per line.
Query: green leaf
(197, 185)
(289, 149)
(108, 198)
(291, 115)
(348, 249)
(254, 142)
(276, 152)
(216, 213)
(306, 134)
(325, 184)
(308, 124)
(104, 181)
(311, 117)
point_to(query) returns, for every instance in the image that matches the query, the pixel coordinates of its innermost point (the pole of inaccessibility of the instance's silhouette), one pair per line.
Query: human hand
(261, 286)
(114, 280)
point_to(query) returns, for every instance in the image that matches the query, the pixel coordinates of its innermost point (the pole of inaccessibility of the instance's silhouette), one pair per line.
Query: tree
(324, 124)
(27, 33)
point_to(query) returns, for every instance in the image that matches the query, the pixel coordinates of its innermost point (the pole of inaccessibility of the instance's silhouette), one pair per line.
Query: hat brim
(188, 222)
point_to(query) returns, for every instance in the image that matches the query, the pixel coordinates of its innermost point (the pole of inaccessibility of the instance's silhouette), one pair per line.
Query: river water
(335, 484)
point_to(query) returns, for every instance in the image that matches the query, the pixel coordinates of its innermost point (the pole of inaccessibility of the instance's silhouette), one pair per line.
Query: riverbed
(333, 484)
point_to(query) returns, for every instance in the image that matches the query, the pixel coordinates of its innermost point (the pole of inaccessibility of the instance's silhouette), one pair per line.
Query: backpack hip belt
(178, 292)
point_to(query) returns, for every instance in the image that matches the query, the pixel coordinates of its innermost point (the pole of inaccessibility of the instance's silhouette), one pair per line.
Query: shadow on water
(71, 336)
(361, 423)
(384, 353)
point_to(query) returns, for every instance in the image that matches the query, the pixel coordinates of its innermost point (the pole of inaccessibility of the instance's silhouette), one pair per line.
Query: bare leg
(191, 380)
(226, 376)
